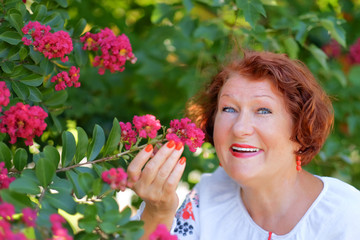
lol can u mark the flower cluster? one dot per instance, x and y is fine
(162, 233)
(354, 53)
(332, 49)
(186, 132)
(59, 232)
(147, 125)
(116, 178)
(143, 126)
(7, 211)
(115, 50)
(67, 79)
(52, 45)
(4, 95)
(23, 121)
(5, 180)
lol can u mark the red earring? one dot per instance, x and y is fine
(298, 163)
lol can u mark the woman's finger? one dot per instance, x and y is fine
(168, 166)
(175, 176)
(152, 167)
(134, 168)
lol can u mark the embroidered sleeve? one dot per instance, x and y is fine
(185, 224)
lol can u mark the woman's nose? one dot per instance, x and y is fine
(243, 124)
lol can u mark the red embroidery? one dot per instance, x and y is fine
(187, 212)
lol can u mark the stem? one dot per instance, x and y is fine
(101, 159)
(40, 199)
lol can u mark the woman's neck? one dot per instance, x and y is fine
(279, 204)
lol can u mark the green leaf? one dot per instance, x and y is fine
(80, 55)
(13, 54)
(4, 49)
(19, 200)
(10, 37)
(108, 227)
(62, 3)
(23, 53)
(5, 155)
(69, 148)
(51, 20)
(88, 224)
(20, 159)
(354, 74)
(86, 181)
(79, 28)
(82, 144)
(125, 215)
(52, 155)
(46, 66)
(340, 76)
(61, 201)
(36, 56)
(7, 66)
(16, 21)
(74, 179)
(63, 186)
(21, 90)
(292, 48)
(32, 80)
(114, 138)
(45, 171)
(56, 99)
(39, 12)
(336, 31)
(319, 55)
(24, 185)
(251, 10)
(34, 94)
(96, 143)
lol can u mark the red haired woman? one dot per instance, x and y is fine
(267, 116)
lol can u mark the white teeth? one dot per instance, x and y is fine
(245, 149)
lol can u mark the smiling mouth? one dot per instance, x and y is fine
(245, 150)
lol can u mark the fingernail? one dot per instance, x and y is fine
(148, 148)
(170, 144)
(182, 160)
(178, 146)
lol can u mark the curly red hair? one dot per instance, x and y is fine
(309, 105)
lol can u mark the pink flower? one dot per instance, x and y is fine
(128, 135)
(332, 49)
(7, 210)
(186, 132)
(29, 217)
(23, 121)
(59, 232)
(116, 178)
(65, 79)
(354, 53)
(115, 50)
(52, 45)
(5, 180)
(4, 95)
(162, 233)
(147, 125)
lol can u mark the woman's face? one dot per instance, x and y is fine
(252, 131)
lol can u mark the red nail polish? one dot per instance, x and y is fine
(182, 160)
(170, 144)
(148, 148)
(178, 146)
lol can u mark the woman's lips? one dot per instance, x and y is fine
(244, 150)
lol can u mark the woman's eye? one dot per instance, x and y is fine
(228, 109)
(264, 111)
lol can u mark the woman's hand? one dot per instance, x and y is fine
(155, 181)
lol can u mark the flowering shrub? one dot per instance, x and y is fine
(23, 121)
(161, 233)
(67, 79)
(116, 178)
(115, 50)
(354, 53)
(4, 95)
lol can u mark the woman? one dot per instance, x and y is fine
(266, 116)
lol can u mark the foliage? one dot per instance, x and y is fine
(179, 46)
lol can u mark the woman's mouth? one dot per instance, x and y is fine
(244, 151)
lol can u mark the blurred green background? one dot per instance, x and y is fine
(181, 44)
